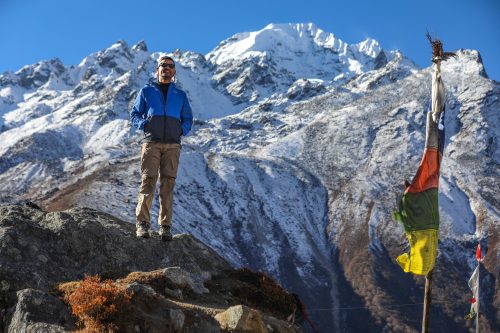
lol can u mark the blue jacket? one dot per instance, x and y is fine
(162, 121)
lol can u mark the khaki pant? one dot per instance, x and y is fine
(158, 159)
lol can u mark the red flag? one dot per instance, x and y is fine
(478, 252)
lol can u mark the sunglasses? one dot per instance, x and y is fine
(166, 65)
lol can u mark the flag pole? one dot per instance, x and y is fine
(478, 257)
(438, 55)
(477, 315)
(427, 302)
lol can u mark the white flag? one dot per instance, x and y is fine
(474, 286)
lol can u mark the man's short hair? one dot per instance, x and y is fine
(162, 58)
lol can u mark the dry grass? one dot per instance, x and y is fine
(144, 277)
(262, 292)
(157, 280)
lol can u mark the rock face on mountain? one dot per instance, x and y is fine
(40, 250)
(295, 164)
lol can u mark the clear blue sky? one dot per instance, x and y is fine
(33, 30)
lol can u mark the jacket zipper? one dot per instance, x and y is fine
(164, 112)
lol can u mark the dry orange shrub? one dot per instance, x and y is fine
(97, 304)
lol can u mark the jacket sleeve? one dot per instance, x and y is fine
(138, 112)
(186, 117)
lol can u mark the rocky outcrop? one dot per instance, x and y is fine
(174, 284)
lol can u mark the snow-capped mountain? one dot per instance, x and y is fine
(297, 158)
(257, 64)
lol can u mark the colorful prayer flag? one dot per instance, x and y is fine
(418, 208)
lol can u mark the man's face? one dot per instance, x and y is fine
(166, 71)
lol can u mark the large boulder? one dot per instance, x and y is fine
(40, 249)
(176, 286)
(37, 311)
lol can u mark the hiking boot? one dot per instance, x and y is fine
(165, 234)
(142, 229)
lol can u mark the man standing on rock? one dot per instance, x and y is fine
(162, 111)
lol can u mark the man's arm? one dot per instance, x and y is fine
(186, 117)
(138, 111)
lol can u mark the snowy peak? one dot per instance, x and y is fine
(117, 57)
(140, 46)
(369, 47)
(466, 61)
(281, 38)
(289, 41)
(252, 65)
(33, 76)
